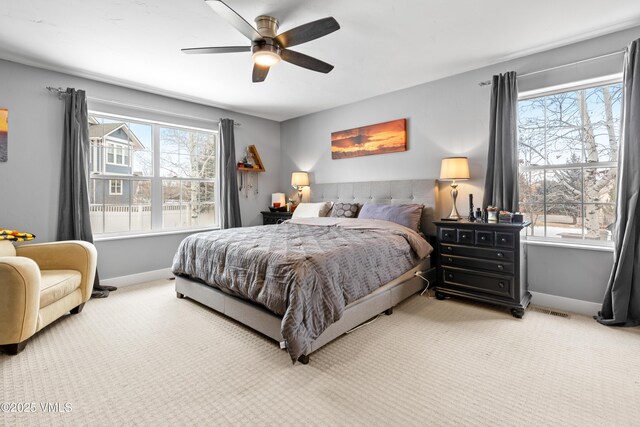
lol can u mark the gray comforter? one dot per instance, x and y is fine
(306, 270)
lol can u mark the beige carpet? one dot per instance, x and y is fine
(143, 357)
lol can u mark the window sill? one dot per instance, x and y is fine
(583, 246)
(107, 238)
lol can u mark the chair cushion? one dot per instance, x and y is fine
(57, 284)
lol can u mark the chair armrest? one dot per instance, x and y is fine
(67, 255)
(19, 299)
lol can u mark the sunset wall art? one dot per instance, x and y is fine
(4, 133)
(389, 137)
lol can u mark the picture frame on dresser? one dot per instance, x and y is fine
(485, 262)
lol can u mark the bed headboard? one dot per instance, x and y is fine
(421, 191)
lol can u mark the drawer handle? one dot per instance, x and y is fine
(450, 275)
(464, 236)
(503, 240)
(483, 238)
(450, 259)
(446, 234)
(501, 285)
(449, 248)
(500, 255)
(500, 267)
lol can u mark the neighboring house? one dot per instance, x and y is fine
(112, 148)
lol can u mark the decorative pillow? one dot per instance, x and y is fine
(407, 215)
(345, 210)
(16, 236)
(311, 210)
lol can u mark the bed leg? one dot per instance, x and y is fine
(179, 295)
(389, 311)
(304, 359)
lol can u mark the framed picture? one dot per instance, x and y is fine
(4, 134)
(388, 137)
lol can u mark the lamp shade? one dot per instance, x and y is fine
(454, 168)
(299, 179)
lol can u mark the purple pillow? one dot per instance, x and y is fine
(407, 215)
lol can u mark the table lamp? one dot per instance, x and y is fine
(453, 168)
(299, 180)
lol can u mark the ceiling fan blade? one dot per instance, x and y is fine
(221, 49)
(235, 20)
(307, 32)
(259, 73)
(304, 61)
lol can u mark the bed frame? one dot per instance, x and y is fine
(381, 300)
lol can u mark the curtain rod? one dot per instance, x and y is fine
(488, 82)
(60, 92)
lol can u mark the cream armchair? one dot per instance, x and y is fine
(40, 283)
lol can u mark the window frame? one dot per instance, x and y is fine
(118, 183)
(155, 179)
(554, 90)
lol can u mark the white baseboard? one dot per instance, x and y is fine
(134, 279)
(587, 308)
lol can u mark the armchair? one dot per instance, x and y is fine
(40, 283)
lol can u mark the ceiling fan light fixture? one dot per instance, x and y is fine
(265, 58)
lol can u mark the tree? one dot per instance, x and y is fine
(188, 154)
(565, 132)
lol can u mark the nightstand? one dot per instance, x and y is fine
(269, 217)
(485, 262)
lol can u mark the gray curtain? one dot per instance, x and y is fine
(501, 181)
(229, 198)
(73, 208)
(621, 305)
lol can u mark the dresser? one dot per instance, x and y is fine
(485, 262)
(269, 217)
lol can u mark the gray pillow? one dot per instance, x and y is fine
(345, 210)
(407, 215)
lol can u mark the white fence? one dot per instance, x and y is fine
(123, 218)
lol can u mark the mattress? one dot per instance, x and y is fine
(306, 271)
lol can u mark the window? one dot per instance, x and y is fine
(117, 154)
(115, 187)
(149, 176)
(567, 154)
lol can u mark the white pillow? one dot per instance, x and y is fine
(311, 210)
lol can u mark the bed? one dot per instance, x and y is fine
(306, 282)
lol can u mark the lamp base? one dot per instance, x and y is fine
(454, 215)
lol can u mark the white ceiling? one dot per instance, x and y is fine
(381, 46)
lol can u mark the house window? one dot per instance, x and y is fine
(115, 187)
(567, 154)
(117, 154)
(149, 176)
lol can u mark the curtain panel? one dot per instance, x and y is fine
(621, 304)
(501, 181)
(73, 209)
(229, 198)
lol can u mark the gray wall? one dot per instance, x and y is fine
(450, 117)
(29, 181)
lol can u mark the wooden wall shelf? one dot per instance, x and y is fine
(259, 166)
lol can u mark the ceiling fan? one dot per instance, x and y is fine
(268, 48)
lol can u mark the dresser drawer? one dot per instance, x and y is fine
(484, 238)
(465, 236)
(470, 251)
(505, 240)
(449, 235)
(479, 282)
(483, 264)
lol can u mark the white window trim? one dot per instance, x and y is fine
(114, 181)
(120, 147)
(552, 90)
(156, 180)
